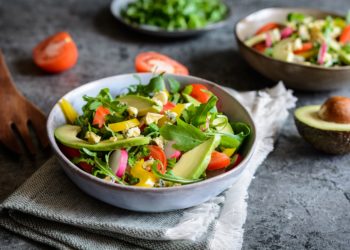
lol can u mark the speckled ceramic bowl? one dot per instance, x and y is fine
(118, 5)
(294, 75)
(150, 199)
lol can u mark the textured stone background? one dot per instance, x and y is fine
(300, 198)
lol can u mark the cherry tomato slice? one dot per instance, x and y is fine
(159, 63)
(69, 152)
(260, 47)
(100, 115)
(56, 53)
(267, 27)
(168, 106)
(345, 35)
(306, 47)
(200, 92)
(218, 160)
(158, 154)
(85, 166)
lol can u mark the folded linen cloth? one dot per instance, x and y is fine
(50, 209)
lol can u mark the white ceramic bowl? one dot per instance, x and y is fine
(150, 199)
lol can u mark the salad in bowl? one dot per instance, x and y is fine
(305, 39)
(156, 135)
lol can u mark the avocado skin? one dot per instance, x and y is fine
(331, 142)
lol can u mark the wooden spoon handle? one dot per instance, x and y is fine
(7, 85)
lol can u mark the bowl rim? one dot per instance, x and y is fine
(301, 9)
(110, 185)
(177, 32)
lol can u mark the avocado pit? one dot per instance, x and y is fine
(326, 126)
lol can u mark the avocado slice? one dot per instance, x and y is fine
(190, 99)
(143, 104)
(193, 163)
(67, 135)
(329, 137)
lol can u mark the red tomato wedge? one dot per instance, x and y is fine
(158, 154)
(72, 153)
(158, 63)
(200, 92)
(218, 160)
(267, 27)
(168, 106)
(306, 47)
(85, 166)
(100, 115)
(56, 53)
(69, 152)
(260, 47)
(345, 35)
(238, 160)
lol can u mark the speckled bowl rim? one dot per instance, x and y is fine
(109, 185)
(300, 9)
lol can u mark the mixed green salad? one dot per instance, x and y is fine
(156, 135)
(306, 40)
(175, 14)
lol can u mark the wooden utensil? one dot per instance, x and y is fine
(16, 113)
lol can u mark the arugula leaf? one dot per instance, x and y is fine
(156, 84)
(136, 153)
(295, 17)
(151, 130)
(185, 135)
(173, 85)
(202, 111)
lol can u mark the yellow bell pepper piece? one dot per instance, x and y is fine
(69, 112)
(146, 179)
(178, 109)
(121, 126)
(229, 151)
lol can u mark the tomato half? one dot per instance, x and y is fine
(260, 47)
(158, 154)
(200, 92)
(100, 115)
(304, 48)
(218, 160)
(56, 53)
(159, 63)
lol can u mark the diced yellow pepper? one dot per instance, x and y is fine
(308, 54)
(121, 126)
(229, 151)
(178, 109)
(146, 179)
(69, 112)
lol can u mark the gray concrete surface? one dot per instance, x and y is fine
(300, 198)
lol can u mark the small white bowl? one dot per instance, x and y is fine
(150, 199)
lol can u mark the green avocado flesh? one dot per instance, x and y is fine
(67, 135)
(309, 116)
(193, 163)
(329, 137)
(143, 104)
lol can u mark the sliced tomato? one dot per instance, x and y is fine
(158, 154)
(69, 152)
(345, 35)
(238, 160)
(200, 92)
(267, 27)
(306, 47)
(168, 106)
(159, 63)
(85, 166)
(218, 160)
(260, 47)
(100, 116)
(56, 53)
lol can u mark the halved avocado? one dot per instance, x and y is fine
(329, 137)
(67, 135)
(143, 104)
